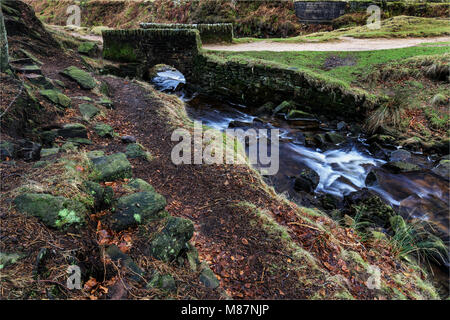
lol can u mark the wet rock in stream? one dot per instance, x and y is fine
(307, 181)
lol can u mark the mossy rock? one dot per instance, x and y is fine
(48, 137)
(162, 282)
(7, 150)
(135, 150)
(398, 224)
(59, 83)
(49, 152)
(79, 141)
(137, 208)
(307, 180)
(117, 256)
(56, 97)
(139, 185)
(69, 147)
(172, 240)
(104, 130)
(31, 56)
(208, 278)
(103, 196)
(370, 208)
(9, 258)
(334, 138)
(192, 257)
(111, 168)
(95, 154)
(298, 114)
(107, 103)
(55, 212)
(40, 81)
(400, 166)
(88, 111)
(88, 48)
(283, 107)
(73, 130)
(382, 139)
(84, 79)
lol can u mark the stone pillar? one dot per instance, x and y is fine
(4, 57)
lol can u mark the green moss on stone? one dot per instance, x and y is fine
(56, 97)
(55, 212)
(84, 79)
(111, 168)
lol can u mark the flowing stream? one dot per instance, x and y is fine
(343, 168)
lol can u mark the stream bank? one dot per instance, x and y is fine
(329, 166)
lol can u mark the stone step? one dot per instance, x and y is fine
(27, 68)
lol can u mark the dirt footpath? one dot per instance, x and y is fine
(343, 44)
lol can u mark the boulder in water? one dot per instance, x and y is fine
(400, 167)
(400, 155)
(443, 169)
(334, 138)
(377, 151)
(306, 181)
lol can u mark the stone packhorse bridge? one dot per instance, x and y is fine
(251, 82)
(142, 49)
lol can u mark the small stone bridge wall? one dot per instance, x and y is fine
(209, 33)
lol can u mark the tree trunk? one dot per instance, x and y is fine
(4, 57)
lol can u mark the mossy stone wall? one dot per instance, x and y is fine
(255, 84)
(209, 33)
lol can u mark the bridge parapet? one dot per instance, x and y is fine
(147, 47)
(209, 33)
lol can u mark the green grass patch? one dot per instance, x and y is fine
(364, 61)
